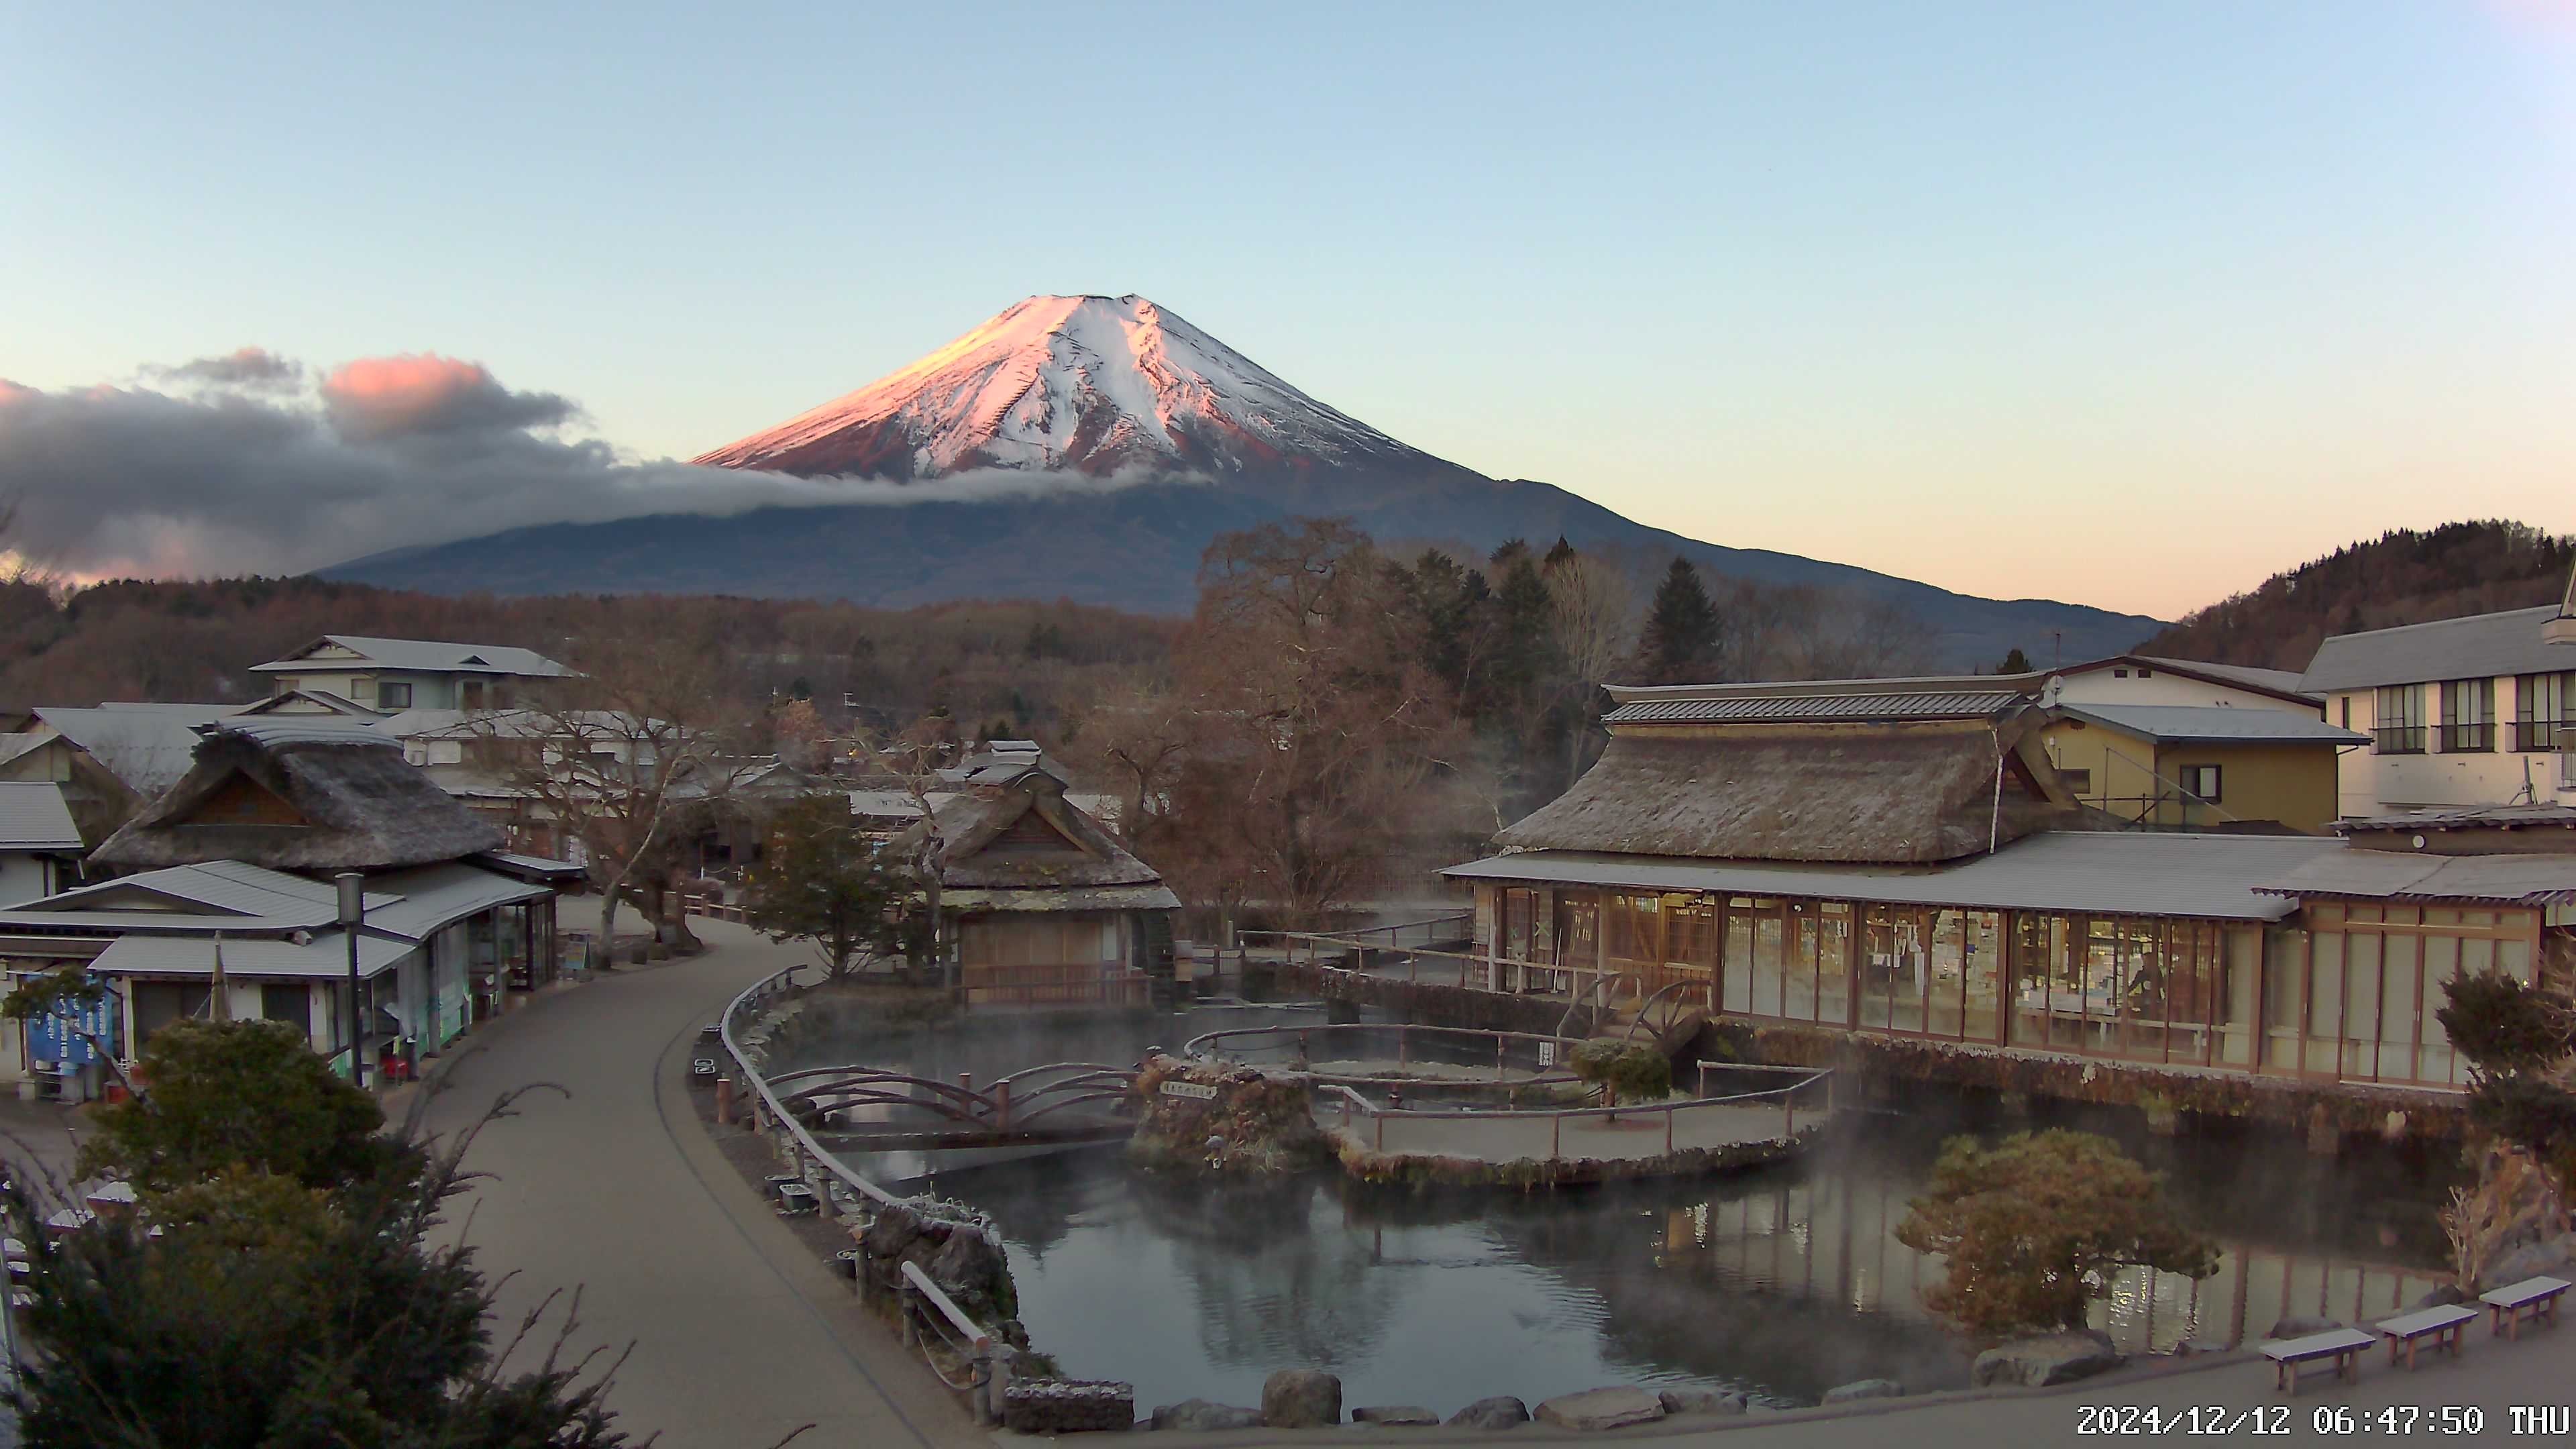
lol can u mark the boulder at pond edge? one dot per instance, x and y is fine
(1301, 1399)
(1594, 1409)
(1399, 1416)
(1198, 1415)
(1864, 1389)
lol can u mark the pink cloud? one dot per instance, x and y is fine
(384, 397)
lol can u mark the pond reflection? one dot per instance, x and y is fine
(1781, 1283)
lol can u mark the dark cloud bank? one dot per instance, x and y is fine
(231, 465)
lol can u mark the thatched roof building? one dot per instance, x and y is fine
(1017, 844)
(299, 794)
(1885, 779)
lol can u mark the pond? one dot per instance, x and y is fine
(1780, 1283)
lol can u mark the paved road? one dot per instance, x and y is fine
(739, 1334)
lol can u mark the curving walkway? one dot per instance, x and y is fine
(739, 1334)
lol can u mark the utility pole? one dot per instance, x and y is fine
(353, 913)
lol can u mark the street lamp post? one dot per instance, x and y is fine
(353, 912)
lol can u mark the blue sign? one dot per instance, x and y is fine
(56, 1036)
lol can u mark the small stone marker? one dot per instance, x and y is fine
(1199, 1090)
(1596, 1409)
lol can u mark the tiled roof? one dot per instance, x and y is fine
(1945, 704)
(427, 656)
(2389, 875)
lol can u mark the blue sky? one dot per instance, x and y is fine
(2124, 305)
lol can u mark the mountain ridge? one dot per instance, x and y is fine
(1086, 388)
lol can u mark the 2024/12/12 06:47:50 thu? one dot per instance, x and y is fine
(2396, 1420)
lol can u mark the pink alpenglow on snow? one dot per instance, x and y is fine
(1094, 385)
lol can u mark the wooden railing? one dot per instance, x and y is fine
(1550, 1057)
(1786, 1097)
(924, 1305)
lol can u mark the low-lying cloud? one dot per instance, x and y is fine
(232, 465)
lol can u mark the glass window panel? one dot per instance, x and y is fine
(2360, 1004)
(2030, 966)
(2068, 1006)
(2515, 958)
(1739, 958)
(1946, 981)
(2234, 990)
(2325, 1000)
(1804, 943)
(2442, 954)
(1833, 961)
(1768, 962)
(2400, 987)
(1984, 974)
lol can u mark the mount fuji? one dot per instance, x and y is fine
(1089, 448)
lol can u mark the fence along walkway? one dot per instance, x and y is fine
(978, 1363)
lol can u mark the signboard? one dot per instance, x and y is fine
(56, 1036)
(1546, 1054)
(1189, 1089)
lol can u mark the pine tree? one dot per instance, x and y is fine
(2015, 662)
(1685, 637)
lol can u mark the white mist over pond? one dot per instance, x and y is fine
(1781, 1283)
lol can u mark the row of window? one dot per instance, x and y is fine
(2544, 705)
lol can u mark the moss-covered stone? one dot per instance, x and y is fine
(1249, 1122)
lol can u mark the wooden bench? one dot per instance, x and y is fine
(2342, 1345)
(2535, 1296)
(2441, 1324)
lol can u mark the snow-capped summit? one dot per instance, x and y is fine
(1089, 384)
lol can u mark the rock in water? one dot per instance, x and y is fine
(1500, 1412)
(1595, 1409)
(1395, 1416)
(1865, 1389)
(1249, 1121)
(1301, 1399)
(1700, 1401)
(1199, 1415)
(2056, 1358)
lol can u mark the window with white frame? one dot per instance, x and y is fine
(2202, 781)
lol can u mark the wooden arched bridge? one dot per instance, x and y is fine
(872, 1109)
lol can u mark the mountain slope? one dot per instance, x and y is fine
(2404, 576)
(1088, 387)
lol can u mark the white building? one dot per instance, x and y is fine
(40, 847)
(2141, 679)
(2461, 712)
(389, 675)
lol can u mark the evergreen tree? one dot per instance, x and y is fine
(1560, 553)
(2015, 662)
(1685, 638)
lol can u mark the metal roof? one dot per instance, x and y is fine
(2389, 875)
(428, 656)
(287, 729)
(146, 747)
(2125, 873)
(2215, 724)
(1948, 704)
(326, 955)
(34, 817)
(2275, 681)
(434, 896)
(2478, 647)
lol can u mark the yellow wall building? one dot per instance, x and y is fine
(2184, 767)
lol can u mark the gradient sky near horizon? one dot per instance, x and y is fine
(2129, 306)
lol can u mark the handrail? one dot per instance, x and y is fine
(1192, 1046)
(804, 1140)
(928, 1287)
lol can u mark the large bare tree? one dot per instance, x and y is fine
(619, 754)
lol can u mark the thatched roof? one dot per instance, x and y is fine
(1910, 793)
(1022, 834)
(300, 796)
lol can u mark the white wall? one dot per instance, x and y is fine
(2369, 783)
(23, 877)
(2100, 686)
